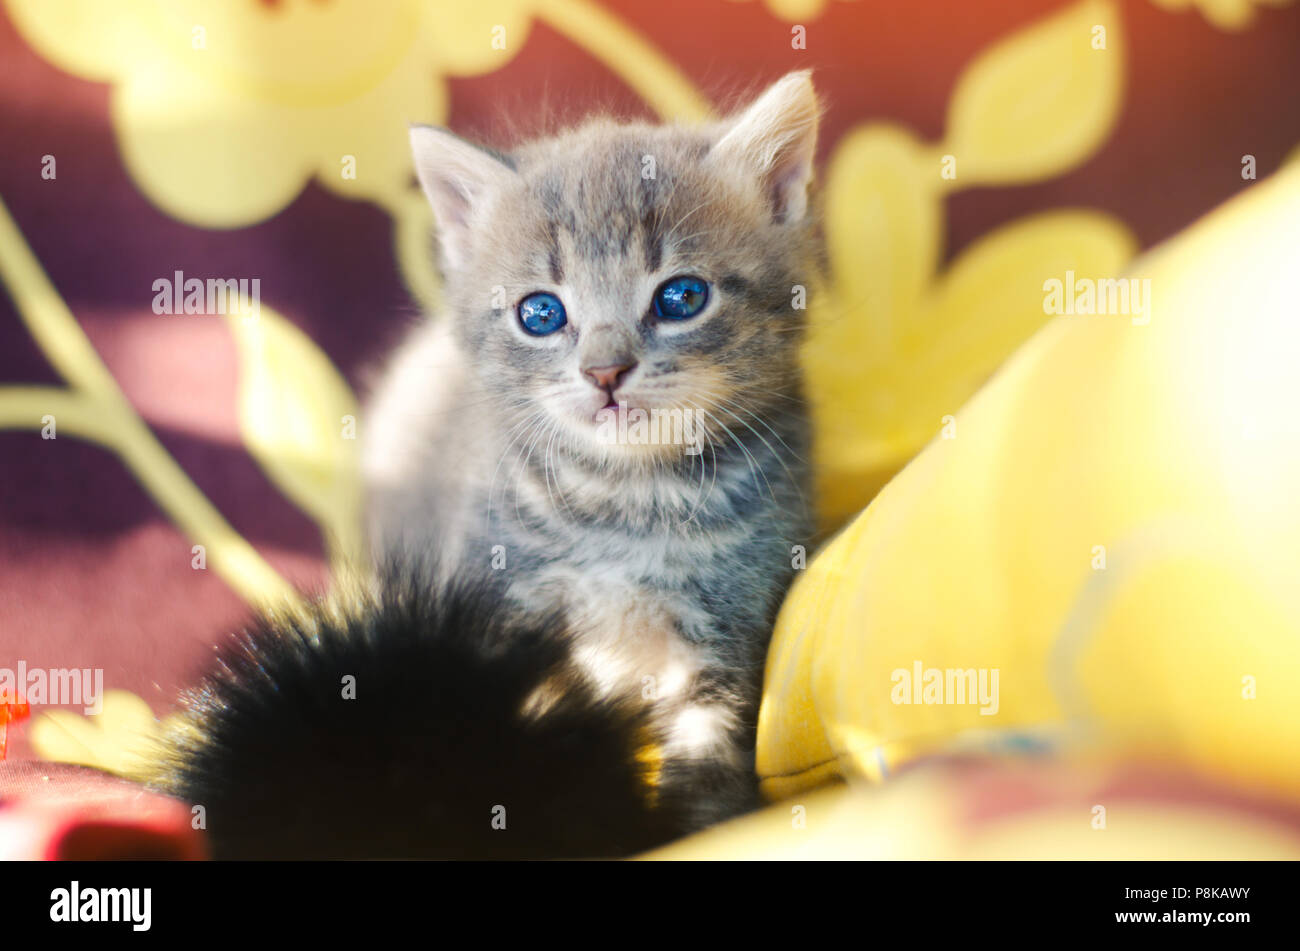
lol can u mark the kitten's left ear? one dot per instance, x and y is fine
(776, 136)
(458, 177)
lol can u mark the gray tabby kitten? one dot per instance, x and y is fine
(586, 483)
(668, 559)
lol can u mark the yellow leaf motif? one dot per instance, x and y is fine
(298, 418)
(991, 299)
(117, 739)
(872, 415)
(224, 111)
(1036, 103)
(1225, 14)
(93, 407)
(886, 230)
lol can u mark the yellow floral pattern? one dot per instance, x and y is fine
(225, 111)
(896, 346)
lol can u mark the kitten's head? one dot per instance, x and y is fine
(623, 267)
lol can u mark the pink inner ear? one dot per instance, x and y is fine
(452, 200)
(453, 208)
(788, 186)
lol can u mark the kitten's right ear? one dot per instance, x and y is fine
(776, 137)
(457, 177)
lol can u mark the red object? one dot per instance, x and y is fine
(56, 811)
(10, 712)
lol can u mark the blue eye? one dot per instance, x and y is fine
(542, 314)
(681, 297)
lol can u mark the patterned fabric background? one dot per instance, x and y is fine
(968, 150)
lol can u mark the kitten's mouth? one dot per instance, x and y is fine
(612, 405)
(613, 410)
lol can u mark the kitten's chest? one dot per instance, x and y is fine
(627, 621)
(612, 537)
(633, 558)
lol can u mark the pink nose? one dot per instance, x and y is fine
(608, 378)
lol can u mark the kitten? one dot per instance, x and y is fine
(586, 479)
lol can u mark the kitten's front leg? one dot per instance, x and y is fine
(711, 744)
(628, 641)
(704, 710)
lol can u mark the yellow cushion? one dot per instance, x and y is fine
(994, 809)
(1113, 527)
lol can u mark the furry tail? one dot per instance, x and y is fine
(410, 725)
